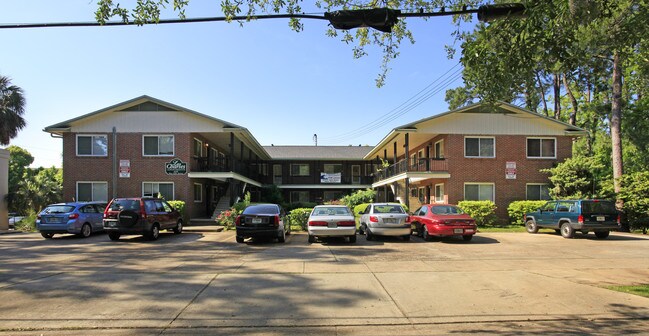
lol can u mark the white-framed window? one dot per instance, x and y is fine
(422, 194)
(198, 193)
(479, 192)
(537, 191)
(299, 196)
(277, 174)
(480, 147)
(92, 145)
(92, 191)
(439, 149)
(152, 189)
(332, 168)
(542, 148)
(413, 192)
(198, 148)
(439, 193)
(331, 195)
(300, 169)
(356, 174)
(158, 145)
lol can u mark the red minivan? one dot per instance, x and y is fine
(443, 220)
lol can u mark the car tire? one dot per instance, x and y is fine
(567, 231)
(153, 233)
(282, 237)
(86, 231)
(531, 226)
(114, 235)
(239, 239)
(424, 234)
(311, 239)
(288, 229)
(352, 239)
(361, 230)
(47, 235)
(602, 234)
(179, 227)
(368, 234)
(467, 238)
(406, 238)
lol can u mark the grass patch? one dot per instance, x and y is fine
(642, 290)
(506, 228)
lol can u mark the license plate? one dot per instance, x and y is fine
(601, 218)
(256, 221)
(54, 220)
(389, 220)
(458, 231)
(332, 225)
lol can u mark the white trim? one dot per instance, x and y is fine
(413, 176)
(223, 177)
(493, 190)
(201, 193)
(441, 146)
(324, 186)
(173, 188)
(527, 155)
(173, 137)
(76, 144)
(479, 137)
(92, 196)
(442, 192)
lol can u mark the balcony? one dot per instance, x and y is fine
(248, 169)
(430, 165)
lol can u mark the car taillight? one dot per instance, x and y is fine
(408, 219)
(238, 220)
(38, 216)
(347, 223)
(142, 211)
(374, 219)
(73, 216)
(317, 223)
(580, 219)
(276, 220)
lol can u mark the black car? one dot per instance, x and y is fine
(141, 215)
(263, 221)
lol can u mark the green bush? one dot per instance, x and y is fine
(635, 195)
(360, 208)
(299, 216)
(299, 205)
(518, 209)
(358, 197)
(27, 224)
(180, 206)
(484, 212)
(227, 218)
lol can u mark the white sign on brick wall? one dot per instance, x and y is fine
(510, 170)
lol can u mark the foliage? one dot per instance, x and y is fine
(518, 209)
(227, 218)
(484, 212)
(298, 205)
(38, 188)
(272, 194)
(180, 206)
(360, 208)
(574, 179)
(27, 224)
(12, 108)
(240, 206)
(300, 216)
(635, 195)
(642, 290)
(358, 197)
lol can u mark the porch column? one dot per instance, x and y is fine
(428, 158)
(231, 153)
(428, 199)
(395, 152)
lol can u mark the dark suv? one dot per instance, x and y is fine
(140, 215)
(263, 221)
(568, 216)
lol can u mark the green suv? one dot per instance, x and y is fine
(569, 216)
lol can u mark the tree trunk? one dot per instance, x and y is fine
(542, 88)
(575, 107)
(557, 96)
(616, 121)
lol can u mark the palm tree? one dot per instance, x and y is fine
(12, 107)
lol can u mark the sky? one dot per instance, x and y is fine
(281, 85)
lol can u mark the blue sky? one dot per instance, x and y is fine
(281, 85)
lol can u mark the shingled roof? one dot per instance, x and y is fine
(317, 152)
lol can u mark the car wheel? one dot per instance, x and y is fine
(311, 239)
(179, 227)
(239, 239)
(368, 234)
(567, 231)
(47, 235)
(352, 239)
(86, 231)
(425, 234)
(153, 233)
(601, 234)
(288, 229)
(282, 237)
(361, 230)
(467, 238)
(406, 238)
(530, 226)
(114, 235)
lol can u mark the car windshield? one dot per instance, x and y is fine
(603, 207)
(261, 209)
(57, 209)
(125, 204)
(331, 211)
(388, 208)
(446, 210)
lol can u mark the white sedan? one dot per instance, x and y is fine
(331, 221)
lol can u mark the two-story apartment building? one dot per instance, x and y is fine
(148, 147)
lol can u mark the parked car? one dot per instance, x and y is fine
(443, 220)
(14, 219)
(80, 218)
(569, 216)
(331, 221)
(385, 219)
(262, 221)
(142, 216)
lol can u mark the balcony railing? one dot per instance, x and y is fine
(412, 165)
(223, 164)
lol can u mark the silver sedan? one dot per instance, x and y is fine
(331, 221)
(385, 219)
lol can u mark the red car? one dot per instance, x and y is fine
(443, 220)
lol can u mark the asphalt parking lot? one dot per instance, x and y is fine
(202, 282)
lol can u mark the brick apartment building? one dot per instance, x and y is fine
(146, 146)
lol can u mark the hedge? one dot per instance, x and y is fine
(300, 216)
(484, 212)
(180, 206)
(517, 209)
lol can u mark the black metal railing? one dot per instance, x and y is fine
(412, 165)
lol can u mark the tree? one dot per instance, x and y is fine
(574, 179)
(12, 107)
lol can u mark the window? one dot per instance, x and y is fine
(422, 211)
(479, 192)
(541, 148)
(198, 192)
(158, 145)
(356, 174)
(422, 195)
(92, 145)
(332, 168)
(413, 192)
(198, 148)
(92, 191)
(549, 206)
(439, 149)
(300, 169)
(152, 189)
(480, 147)
(331, 195)
(439, 193)
(536, 192)
(299, 196)
(277, 174)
